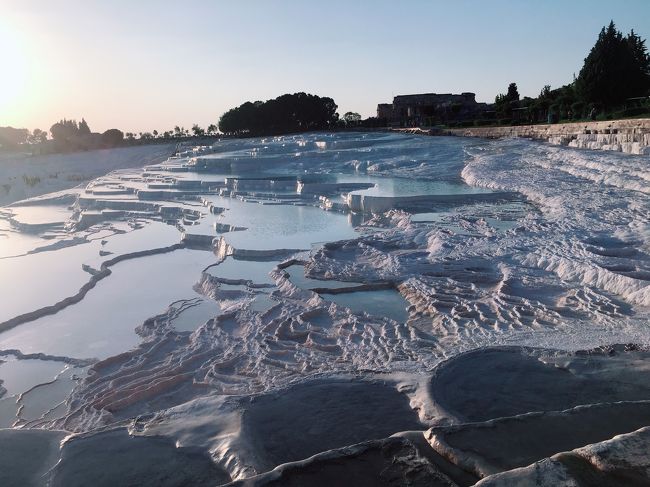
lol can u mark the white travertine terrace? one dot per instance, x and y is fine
(179, 314)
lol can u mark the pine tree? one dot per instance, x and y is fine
(640, 77)
(83, 127)
(513, 93)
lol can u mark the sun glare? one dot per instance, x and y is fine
(14, 71)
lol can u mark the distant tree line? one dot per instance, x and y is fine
(298, 112)
(70, 135)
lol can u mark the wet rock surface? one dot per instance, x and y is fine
(26, 457)
(623, 461)
(384, 463)
(115, 458)
(323, 415)
(496, 382)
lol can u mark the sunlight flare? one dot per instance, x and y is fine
(15, 70)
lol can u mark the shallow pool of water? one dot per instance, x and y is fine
(298, 278)
(36, 280)
(41, 215)
(46, 397)
(262, 303)
(273, 226)
(387, 186)
(104, 322)
(247, 270)
(199, 312)
(19, 376)
(387, 303)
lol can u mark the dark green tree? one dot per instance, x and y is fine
(38, 136)
(352, 118)
(112, 137)
(505, 103)
(513, 93)
(640, 75)
(298, 112)
(83, 128)
(616, 68)
(198, 131)
(64, 129)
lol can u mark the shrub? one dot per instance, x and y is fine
(31, 181)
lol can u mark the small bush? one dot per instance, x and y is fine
(31, 181)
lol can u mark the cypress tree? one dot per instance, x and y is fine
(616, 68)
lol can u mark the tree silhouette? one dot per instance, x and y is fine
(513, 92)
(83, 128)
(38, 136)
(64, 129)
(616, 68)
(12, 137)
(352, 118)
(112, 137)
(505, 103)
(285, 114)
(198, 131)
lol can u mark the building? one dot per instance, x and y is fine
(385, 110)
(430, 108)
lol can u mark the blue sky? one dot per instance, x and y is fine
(144, 65)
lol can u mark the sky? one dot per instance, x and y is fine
(140, 65)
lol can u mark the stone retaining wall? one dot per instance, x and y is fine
(629, 136)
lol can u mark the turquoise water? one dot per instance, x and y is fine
(409, 187)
